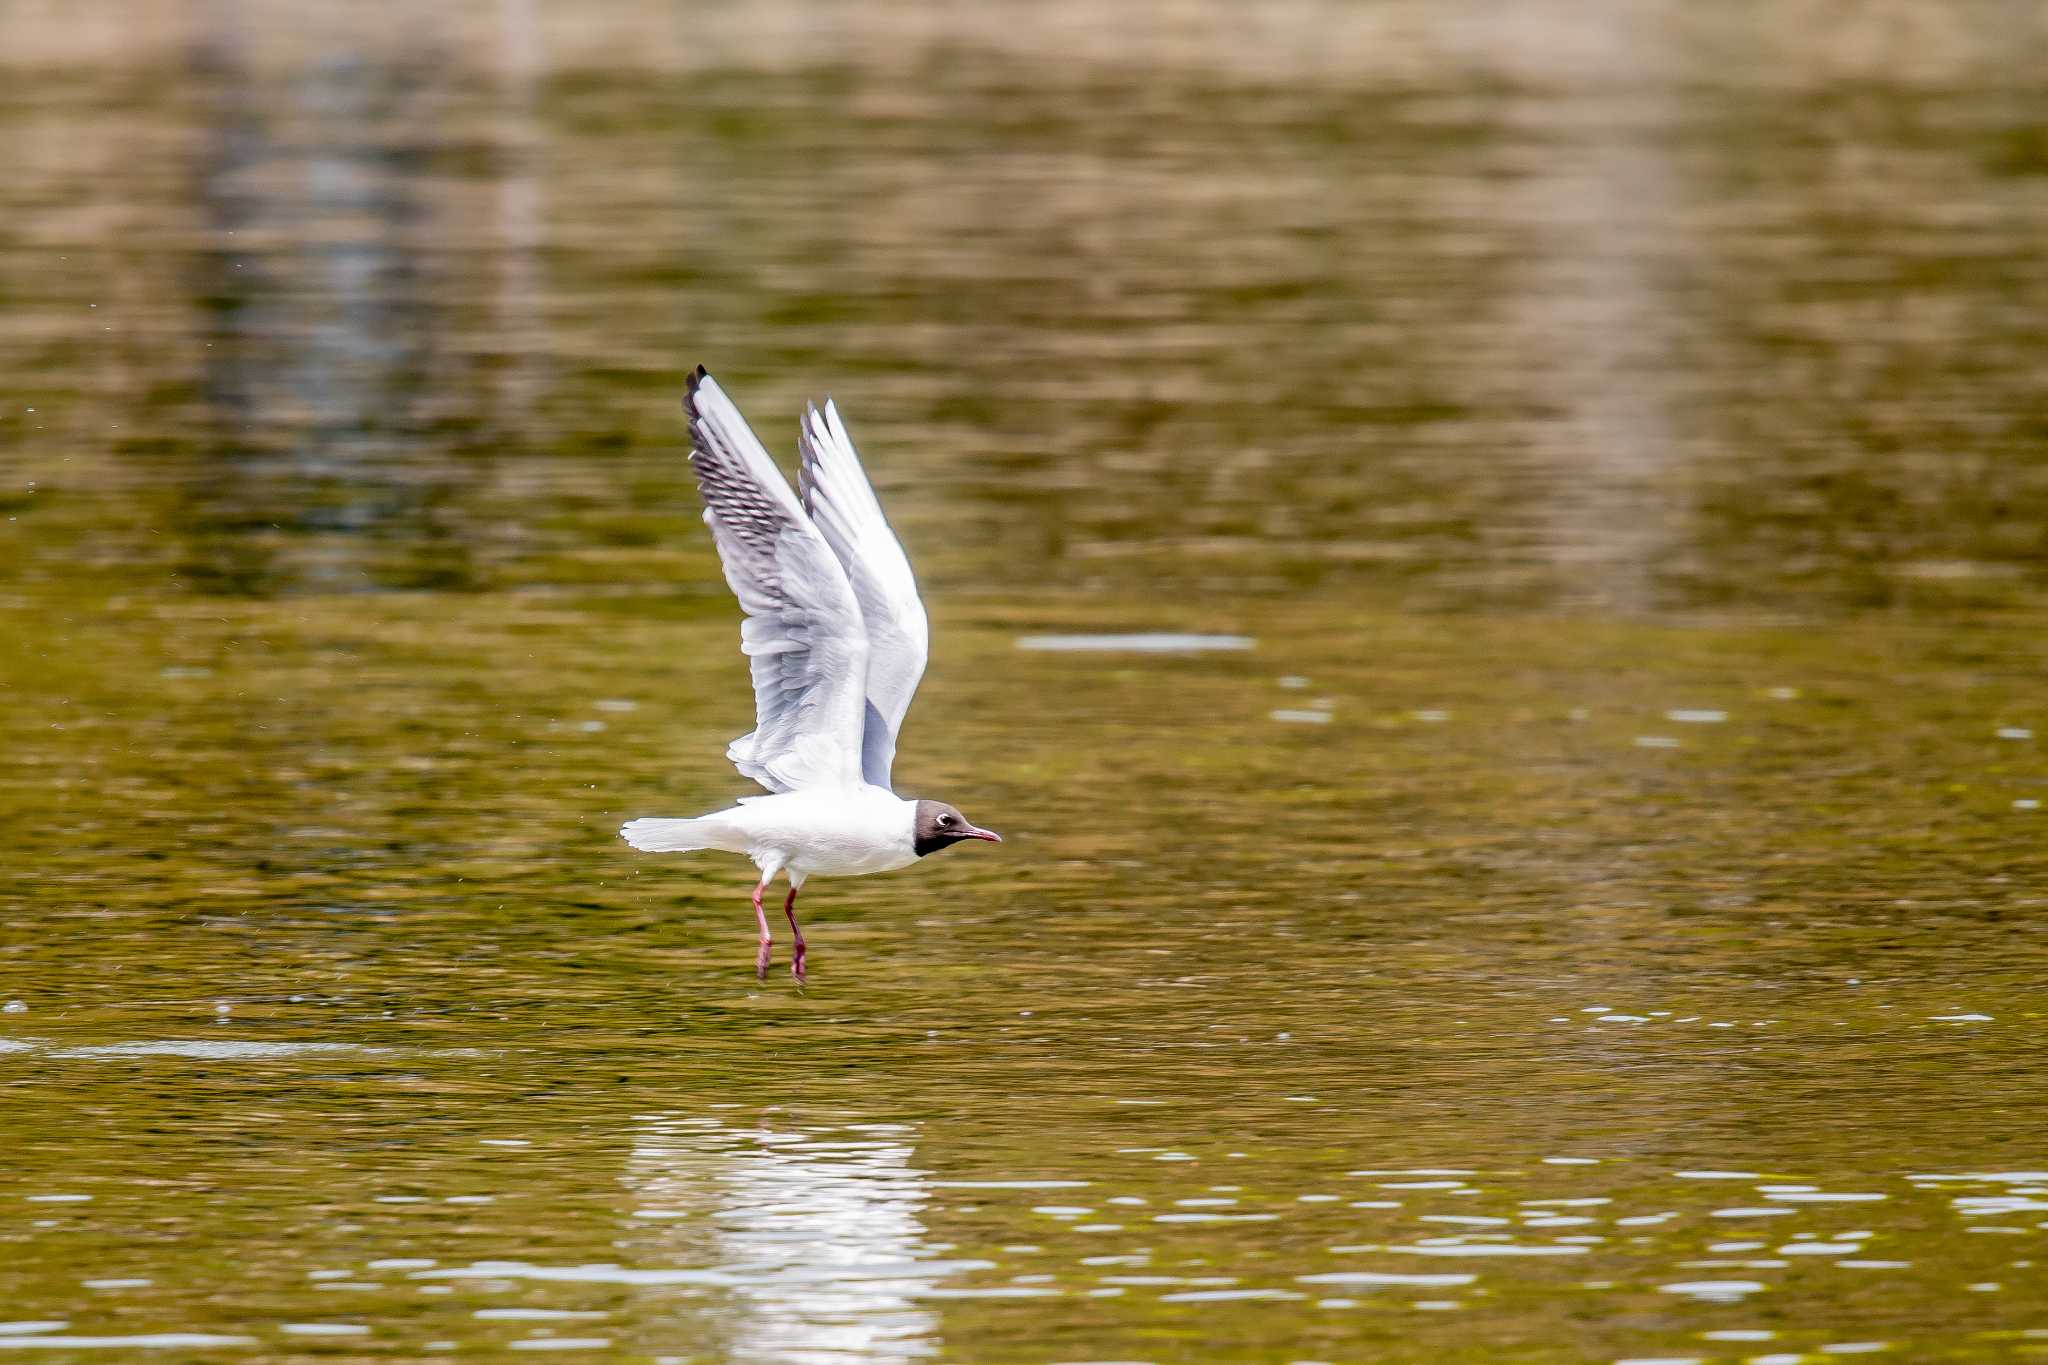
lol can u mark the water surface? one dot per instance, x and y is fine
(1492, 573)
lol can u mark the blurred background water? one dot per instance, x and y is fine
(1591, 909)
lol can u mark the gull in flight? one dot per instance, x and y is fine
(836, 635)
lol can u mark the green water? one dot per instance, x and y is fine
(1599, 916)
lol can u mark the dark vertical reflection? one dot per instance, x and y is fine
(322, 341)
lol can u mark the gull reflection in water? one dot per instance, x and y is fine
(815, 1231)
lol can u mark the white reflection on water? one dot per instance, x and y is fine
(211, 1050)
(232, 1050)
(1717, 1291)
(152, 1341)
(1486, 1249)
(1144, 642)
(818, 1232)
(1376, 1278)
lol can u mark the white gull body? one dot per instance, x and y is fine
(837, 638)
(832, 832)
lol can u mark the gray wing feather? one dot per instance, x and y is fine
(842, 504)
(803, 635)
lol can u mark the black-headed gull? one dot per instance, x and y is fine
(837, 637)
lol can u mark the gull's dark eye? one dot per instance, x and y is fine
(945, 819)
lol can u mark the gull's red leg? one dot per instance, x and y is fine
(796, 960)
(767, 941)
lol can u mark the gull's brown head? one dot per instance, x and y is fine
(939, 824)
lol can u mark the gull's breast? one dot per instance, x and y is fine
(831, 858)
(850, 835)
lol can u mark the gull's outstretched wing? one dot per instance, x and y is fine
(803, 630)
(840, 501)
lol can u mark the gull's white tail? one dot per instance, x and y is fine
(670, 836)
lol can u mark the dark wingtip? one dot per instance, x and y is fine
(690, 387)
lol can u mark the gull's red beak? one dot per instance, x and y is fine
(987, 834)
